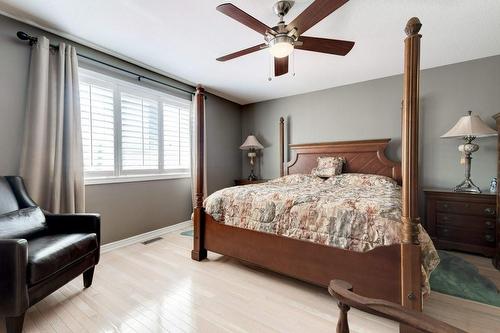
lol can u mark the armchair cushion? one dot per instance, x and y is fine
(24, 223)
(49, 254)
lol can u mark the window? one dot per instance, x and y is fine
(129, 131)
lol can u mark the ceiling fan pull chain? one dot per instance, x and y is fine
(292, 60)
(270, 67)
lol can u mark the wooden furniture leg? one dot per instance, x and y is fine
(87, 277)
(343, 323)
(199, 252)
(14, 324)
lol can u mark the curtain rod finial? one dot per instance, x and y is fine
(24, 36)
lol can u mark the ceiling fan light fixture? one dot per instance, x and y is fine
(281, 46)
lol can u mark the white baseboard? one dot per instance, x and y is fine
(145, 236)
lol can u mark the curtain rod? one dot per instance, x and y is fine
(33, 40)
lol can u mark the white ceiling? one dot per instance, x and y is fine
(183, 38)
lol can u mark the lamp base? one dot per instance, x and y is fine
(252, 176)
(467, 186)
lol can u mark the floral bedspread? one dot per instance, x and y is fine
(357, 212)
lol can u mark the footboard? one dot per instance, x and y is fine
(375, 274)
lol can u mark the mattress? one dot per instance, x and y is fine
(355, 212)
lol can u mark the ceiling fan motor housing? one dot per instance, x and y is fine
(281, 39)
(281, 8)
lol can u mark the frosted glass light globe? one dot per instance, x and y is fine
(281, 46)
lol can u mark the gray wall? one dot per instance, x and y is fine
(371, 109)
(223, 136)
(127, 208)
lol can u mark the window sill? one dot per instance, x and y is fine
(134, 178)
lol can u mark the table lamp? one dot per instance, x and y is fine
(468, 127)
(252, 145)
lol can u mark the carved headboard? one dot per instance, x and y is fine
(364, 156)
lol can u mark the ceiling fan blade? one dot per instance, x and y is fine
(242, 52)
(325, 45)
(237, 14)
(280, 66)
(317, 11)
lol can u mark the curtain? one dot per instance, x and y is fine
(52, 159)
(194, 141)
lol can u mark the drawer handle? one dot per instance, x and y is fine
(445, 218)
(489, 211)
(445, 206)
(489, 238)
(490, 224)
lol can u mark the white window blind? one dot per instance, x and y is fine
(132, 131)
(177, 137)
(139, 133)
(96, 105)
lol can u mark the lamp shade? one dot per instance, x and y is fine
(470, 125)
(251, 143)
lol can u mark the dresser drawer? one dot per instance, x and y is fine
(471, 236)
(466, 222)
(471, 208)
(462, 221)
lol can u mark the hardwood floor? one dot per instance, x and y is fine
(158, 288)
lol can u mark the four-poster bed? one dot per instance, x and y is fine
(389, 272)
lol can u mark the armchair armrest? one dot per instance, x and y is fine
(13, 289)
(73, 223)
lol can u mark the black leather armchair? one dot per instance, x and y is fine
(40, 251)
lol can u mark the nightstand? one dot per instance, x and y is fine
(461, 221)
(248, 182)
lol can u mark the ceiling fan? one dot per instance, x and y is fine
(282, 39)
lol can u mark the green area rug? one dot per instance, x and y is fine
(189, 233)
(457, 277)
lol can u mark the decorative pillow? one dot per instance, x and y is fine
(329, 166)
(361, 180)
(296, 179)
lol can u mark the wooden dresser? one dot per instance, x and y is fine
(462, 221)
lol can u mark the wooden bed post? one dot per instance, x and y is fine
(199, 252)
(411, 296)
(410, 128)
(282, 146)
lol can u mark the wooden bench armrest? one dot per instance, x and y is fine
(347, 298)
